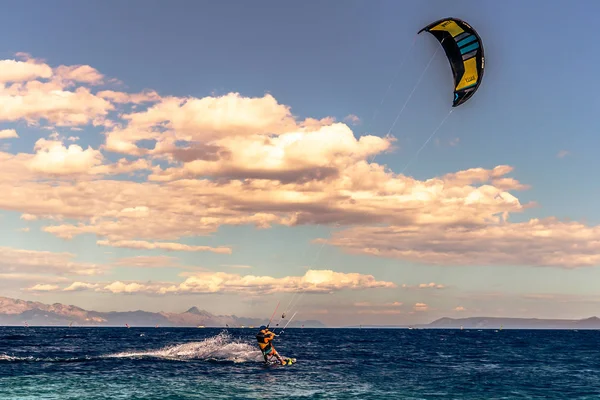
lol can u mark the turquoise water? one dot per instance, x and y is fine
(191, 363)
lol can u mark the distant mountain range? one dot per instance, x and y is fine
(19, 312)
(502, 323)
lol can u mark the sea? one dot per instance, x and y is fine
(195, 363)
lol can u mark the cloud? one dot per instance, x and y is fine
(537, 242)
(237, 137)
(150, 262)
(30, 261)
(421, 307)
(313, 281)
(133, 287)
(42, 288)
(460, 308)
(79, 286)
(52, 157)
(299, 156)
(352, 119)
(431, 285)
(36, 100)
(32, 91)
(212, 117)
(563, 153)
(124, 98)
(192, 165)
(365, 194)
(8, 134)
(139, 244)
(238, 266)
(22, 71)
(369, 304)
(72, 74)
(53, 160)
(122, 166)
(201, 120)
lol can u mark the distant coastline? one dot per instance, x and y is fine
(497, 323)
(15, 312)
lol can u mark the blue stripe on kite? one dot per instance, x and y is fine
(466, 40)
(469, 48)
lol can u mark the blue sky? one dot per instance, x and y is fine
(335, 59)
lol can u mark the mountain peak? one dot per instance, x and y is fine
(197, 311)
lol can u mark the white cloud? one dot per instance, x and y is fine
(234, 160)
(124, 98)
(206, 282)
(546, 242)
(8, 134)
(32, 91)
(53, 157)
(78, 73)
(22, 71)
(30, 261)
(150, 262)
(79, 286)
(139, 244)
(430, 285)
(42, 288)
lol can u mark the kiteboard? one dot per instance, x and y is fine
(288, 361)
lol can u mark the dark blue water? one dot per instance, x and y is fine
(181, 363)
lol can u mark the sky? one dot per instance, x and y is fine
(233, 155)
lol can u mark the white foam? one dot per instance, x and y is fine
(6, 357)
(221, 347)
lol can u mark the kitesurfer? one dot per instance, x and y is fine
(264, 338)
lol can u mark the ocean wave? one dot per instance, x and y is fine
(221, 347)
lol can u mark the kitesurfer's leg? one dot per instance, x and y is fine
(276, 354)
(268, 352)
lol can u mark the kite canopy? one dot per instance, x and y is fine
(464, 50)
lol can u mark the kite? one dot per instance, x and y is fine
(464, 50)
